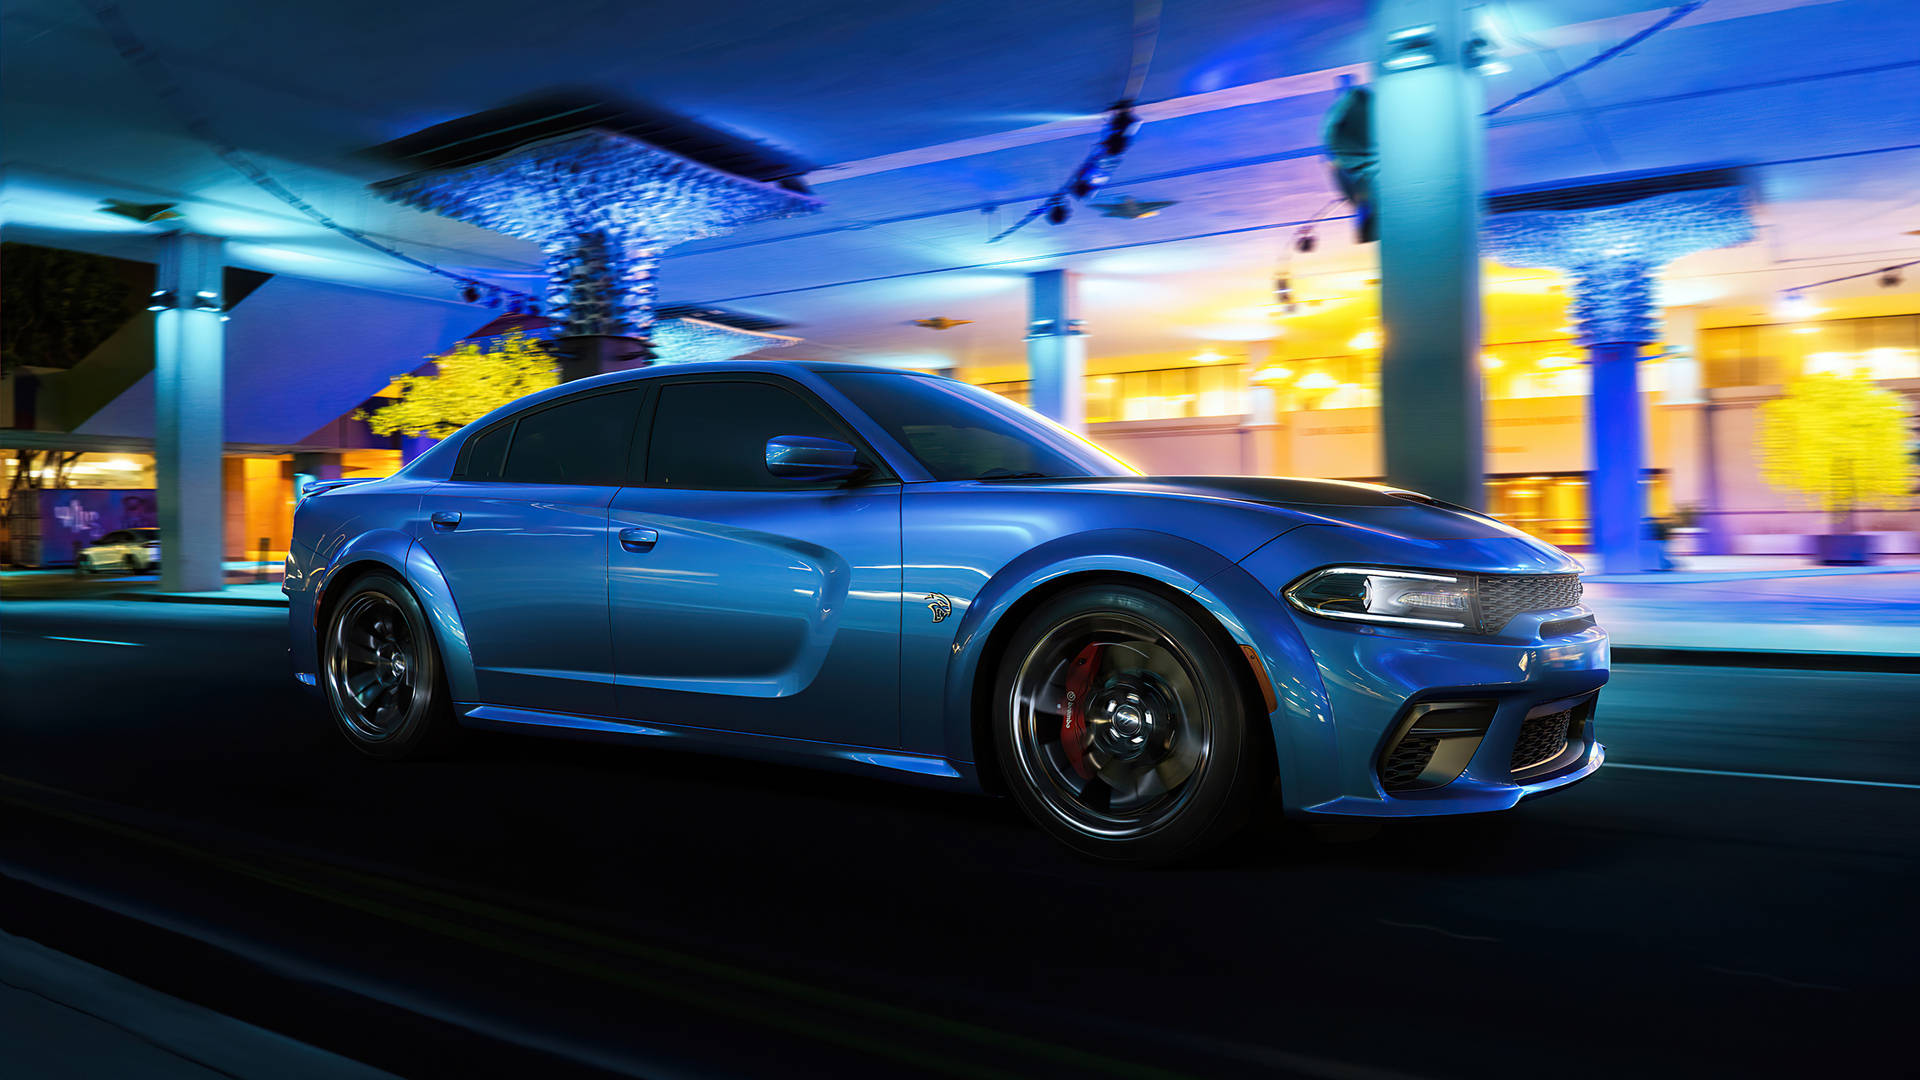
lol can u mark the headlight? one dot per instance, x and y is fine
(1402, 597)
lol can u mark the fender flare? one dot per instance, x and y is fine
(1172, 561)
(1244, 609)
(398, 552)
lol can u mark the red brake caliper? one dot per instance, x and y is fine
(1073, 730)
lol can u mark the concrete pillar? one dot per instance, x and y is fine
(311, 467)
(600, 291)
(1056, 349)
(586, 355)
(1682, 337)
(1617, 503)
(189, 421)
(1429, 134)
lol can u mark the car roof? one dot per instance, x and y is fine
(655, 371)
(438, 461)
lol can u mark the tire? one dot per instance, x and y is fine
(381, 672)
(1125, 730)
(133, 565)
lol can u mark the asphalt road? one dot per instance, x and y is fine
(533, 903)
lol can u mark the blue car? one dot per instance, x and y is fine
(903, 575)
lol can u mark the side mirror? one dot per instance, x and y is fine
(804, 457)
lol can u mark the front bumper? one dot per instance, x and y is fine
(1347, 692)
(1376, 679)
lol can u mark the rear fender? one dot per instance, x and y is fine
(396, 552)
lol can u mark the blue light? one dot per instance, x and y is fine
(1412, 47)
(680, 341)
(603, 207)
(1612, 252)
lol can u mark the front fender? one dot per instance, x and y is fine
(1173, 561)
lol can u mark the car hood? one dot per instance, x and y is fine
(1388, 511)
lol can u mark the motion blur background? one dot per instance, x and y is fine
(233, 233)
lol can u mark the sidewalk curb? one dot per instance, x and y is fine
(174, 598)
(1762, 658)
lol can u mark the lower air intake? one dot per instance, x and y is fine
(1542, 738)
(1408, 760)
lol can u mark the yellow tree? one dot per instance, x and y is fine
(1838, 442)
(468, 383)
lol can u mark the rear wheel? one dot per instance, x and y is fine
(382, 673)
(1125, 731)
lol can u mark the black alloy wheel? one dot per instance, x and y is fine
(381, 671)
(1125, 728)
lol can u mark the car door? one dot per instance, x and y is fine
(520, 532)
(746, 602)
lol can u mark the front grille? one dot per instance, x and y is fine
(1408, 760)
(1542, 738)
(1502, 596)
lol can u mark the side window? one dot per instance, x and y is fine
(582, 441)
(714, 435)
(114, 538)
(488, 453)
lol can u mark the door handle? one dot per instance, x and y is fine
(639, 539)
(446, 519)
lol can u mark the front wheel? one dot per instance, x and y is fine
(1125, 729)
(382, 673)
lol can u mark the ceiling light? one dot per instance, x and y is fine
(162, 299)
(1490, 362)
(1272, 374)
(1316, 380)
(1207, 356)
(1413, 47)
(1133, 209)
(1806, 329)
(145, 213)
(1364, 341)
(1796, 306)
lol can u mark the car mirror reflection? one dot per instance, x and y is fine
(807, 457)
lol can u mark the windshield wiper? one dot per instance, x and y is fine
(1016, 476)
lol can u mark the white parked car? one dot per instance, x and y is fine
(133, 550)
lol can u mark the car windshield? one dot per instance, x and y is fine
(961, 432)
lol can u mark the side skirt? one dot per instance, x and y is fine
(919, 769)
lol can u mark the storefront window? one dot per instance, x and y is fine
(1553, 506)
(1883, 347)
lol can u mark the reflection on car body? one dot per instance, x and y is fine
(901, 574)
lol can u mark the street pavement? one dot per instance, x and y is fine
(1731, 894)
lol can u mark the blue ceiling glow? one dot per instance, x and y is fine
(1613, 251)
(602, 206)
(681, 341)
